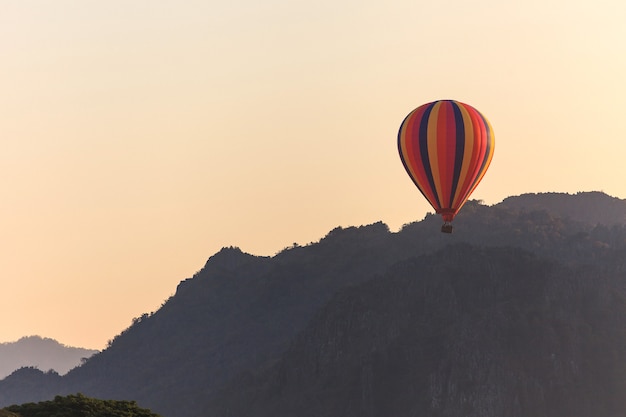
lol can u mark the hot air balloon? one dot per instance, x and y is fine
(446, 147)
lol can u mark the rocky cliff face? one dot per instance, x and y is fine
(464, 332)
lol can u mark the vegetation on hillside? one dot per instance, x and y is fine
(77, 406)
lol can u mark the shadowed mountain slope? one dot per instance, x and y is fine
(463, 332)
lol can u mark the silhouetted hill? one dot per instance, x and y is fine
(42, 353)
(587, 207)
(237, 313)
(463, 332)
(29, 384)
(241, 313)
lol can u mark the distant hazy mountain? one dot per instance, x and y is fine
(518, 313)
(41, 353)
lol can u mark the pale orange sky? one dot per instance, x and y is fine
(140, 137)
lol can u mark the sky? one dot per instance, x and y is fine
(138, 137)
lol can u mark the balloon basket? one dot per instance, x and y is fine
(446, 228)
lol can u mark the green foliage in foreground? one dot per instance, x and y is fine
(77, 406)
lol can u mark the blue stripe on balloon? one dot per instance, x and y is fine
(460, 148)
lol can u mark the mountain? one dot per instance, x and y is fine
(495, 332)
(288, 329)
(42, 353)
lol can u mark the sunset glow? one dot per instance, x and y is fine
(140, 137)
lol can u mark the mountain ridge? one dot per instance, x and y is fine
(240, 313)
(594, 207)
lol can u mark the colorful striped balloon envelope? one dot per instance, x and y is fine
(446, 147)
